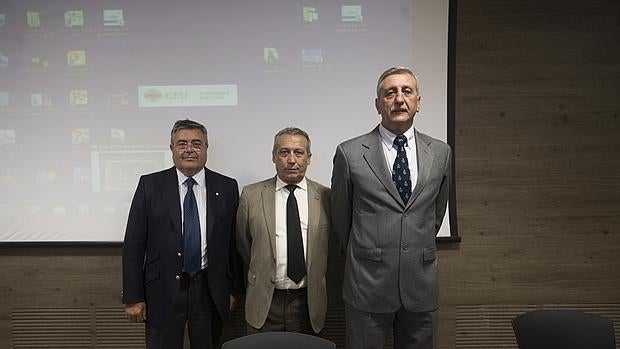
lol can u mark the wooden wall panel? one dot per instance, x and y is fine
(537, 172)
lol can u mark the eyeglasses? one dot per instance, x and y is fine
(196, 146)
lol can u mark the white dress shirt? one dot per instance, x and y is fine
(387, 139)
(301, 194)
(200, 192)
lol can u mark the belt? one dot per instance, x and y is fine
(290, 290)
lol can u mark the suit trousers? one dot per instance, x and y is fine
(288, 312)
(193, 306)
(411, 330)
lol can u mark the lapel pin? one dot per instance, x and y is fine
(217, 194)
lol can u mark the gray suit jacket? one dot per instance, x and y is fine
(390, 247)
(256, 243)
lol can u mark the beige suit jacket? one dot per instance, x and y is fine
(256, 243)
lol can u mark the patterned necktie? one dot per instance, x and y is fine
(400, 169)
(296, 262)
(192, 259)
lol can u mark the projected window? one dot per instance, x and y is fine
(90, 90)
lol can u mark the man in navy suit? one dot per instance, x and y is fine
(163, 287)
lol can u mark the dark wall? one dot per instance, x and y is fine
(538, 193)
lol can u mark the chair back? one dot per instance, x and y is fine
(279, 340)
(563, 329)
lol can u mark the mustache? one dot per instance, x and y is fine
(398, 109)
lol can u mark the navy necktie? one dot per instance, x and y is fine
(400, 170)
(192, 260)
(296, 262)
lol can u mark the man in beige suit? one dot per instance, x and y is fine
(282, 236)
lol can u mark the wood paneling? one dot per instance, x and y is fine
(537, 172)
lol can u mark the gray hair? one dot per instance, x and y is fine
(188, 124)
(294, 131)
(398, 70)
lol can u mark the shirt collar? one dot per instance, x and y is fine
(281, 184)
(387, 137)
(198, 177)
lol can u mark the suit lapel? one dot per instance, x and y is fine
(212, 195)
(373, 154)
(268, 196)
(170, 195)
(314, 213)
(425, 160)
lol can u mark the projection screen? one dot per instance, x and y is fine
(90, 89)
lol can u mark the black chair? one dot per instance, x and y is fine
(563, 329)
(279, 340)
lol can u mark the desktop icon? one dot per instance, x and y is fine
(310, 14)
(80, 136)
(74, 18)
(270, 55)
(7, 137)
(76, 58)
(118, 100)
(113, 18)
(39, 63)
(78, 97)
(351, 13)
(39, 100)
(33, 20)
(312, 56)
(117, 134)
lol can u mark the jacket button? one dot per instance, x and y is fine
(177, 277)
(179, 254)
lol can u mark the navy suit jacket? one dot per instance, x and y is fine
(152, 250)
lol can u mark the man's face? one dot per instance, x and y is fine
(189, 151)
(291, 158)
(398, 102)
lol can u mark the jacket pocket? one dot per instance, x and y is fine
(373, 254)
(151, 269)
(429, 254)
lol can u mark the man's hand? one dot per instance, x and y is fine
(136, 312)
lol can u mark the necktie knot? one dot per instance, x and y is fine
(190, 183)
(400, 141)
(291, 188)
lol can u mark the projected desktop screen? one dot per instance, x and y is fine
(90, 89)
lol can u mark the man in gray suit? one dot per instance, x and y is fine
(389, 195)
(285, 278)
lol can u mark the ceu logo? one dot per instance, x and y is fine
(152, 95)
(177, 95)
